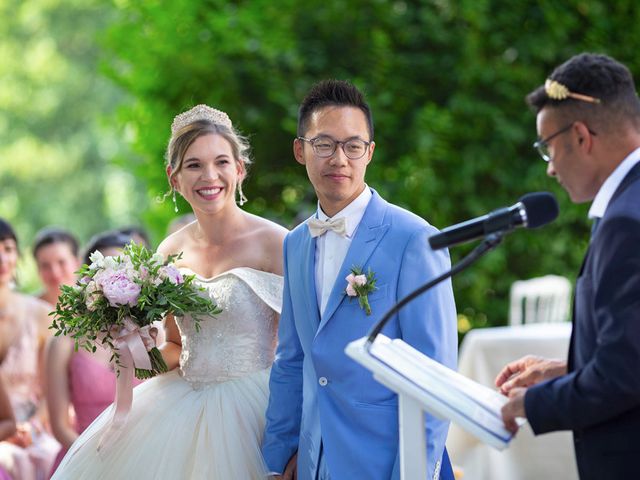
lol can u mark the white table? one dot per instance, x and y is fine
(483, 353)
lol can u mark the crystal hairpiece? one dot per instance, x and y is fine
(200, 112)
(557, 91)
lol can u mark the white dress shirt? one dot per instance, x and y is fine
(331, 248)
(611, 184)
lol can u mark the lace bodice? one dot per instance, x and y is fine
(242, 338)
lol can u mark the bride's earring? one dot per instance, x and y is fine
(175, 202)
(241, 198)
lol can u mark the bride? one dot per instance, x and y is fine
(205, 418)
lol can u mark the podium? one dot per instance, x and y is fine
(424, 385)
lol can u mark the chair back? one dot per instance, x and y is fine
(540, 300)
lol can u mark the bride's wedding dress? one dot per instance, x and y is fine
(203, 420)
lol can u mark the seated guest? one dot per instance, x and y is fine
(56, 254)
(180, 222)
(137, 234)
(7, 423)
(24, 329)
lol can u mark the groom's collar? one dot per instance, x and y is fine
(352, 213)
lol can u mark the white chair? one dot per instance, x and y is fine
(540, 300)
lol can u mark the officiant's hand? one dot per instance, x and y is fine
(514, 408)
(528, 371)
(291, 470)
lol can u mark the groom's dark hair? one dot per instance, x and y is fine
(332, 93)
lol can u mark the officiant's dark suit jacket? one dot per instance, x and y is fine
(599, 398)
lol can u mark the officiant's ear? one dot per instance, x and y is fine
(298, 151)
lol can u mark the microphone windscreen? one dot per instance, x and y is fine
(541, 208)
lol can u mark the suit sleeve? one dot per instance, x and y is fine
(609, 383)
(285, 400)
(429, 323)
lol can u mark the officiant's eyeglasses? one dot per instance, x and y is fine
(324, 146)
(542, 146)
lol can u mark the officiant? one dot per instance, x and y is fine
(588, 122)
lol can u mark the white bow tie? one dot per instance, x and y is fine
(320, 227)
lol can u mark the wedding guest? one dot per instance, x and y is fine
(7, 421)
(588, 122)
(76, 378)
(24, 322)
(180, 222)
(56, 254)
(327, 416)
(205, 417)
(138, 234)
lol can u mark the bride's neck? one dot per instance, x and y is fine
(219, 228)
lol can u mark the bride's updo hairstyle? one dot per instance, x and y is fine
(203, 120)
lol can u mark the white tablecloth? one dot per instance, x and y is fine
(483, 353)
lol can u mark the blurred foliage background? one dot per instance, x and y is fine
(88, 90)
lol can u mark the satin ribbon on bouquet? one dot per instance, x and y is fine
(132, 342)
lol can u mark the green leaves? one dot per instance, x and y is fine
(85, 313)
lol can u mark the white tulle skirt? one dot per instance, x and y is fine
(175, 431)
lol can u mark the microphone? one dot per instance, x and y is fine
(533, 210)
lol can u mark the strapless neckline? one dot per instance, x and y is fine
(227, 272)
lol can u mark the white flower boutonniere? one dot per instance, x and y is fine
(360, 285)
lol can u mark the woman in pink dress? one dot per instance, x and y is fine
(56, 254)
(79, 379)
(24, 322)
(7, 422)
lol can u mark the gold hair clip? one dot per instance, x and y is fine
(557, 91)
(200, 112)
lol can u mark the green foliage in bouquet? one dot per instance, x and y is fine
(124, 295)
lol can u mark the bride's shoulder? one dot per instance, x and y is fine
(267, 229)
(175, 243)
(267, 238)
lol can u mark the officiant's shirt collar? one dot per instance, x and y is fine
(353, 212)
(611, 184)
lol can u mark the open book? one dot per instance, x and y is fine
(443, 392)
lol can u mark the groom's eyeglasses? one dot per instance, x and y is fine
(324, 146)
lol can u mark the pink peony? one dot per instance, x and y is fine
(119, 289)
(172, 273)
(350, 291)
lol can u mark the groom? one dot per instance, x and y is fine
(327, 417)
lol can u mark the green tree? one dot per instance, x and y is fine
(446, 81)
(54, 146)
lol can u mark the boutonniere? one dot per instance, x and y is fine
(361, 285)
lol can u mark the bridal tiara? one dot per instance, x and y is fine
(200, 112)
(557, 91)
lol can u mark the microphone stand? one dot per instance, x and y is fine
(489, 243)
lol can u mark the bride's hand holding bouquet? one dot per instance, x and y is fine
(117, 300)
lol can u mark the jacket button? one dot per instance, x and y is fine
(323, 381)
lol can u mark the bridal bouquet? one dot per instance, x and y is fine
(117, 300)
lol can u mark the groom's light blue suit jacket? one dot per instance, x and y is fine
(318, 394)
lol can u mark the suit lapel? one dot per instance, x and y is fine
(366, 239)
(309, 277)
(632, 176)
